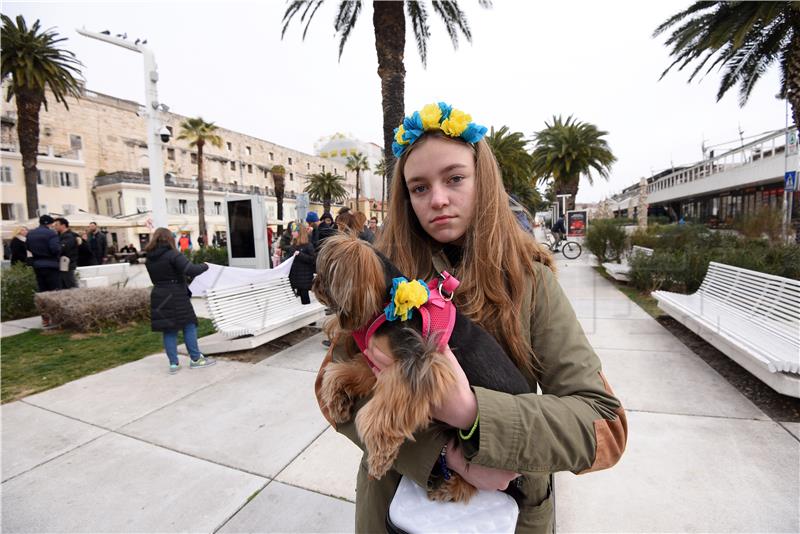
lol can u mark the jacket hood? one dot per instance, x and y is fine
(158, 252)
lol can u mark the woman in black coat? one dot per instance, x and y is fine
(170, 305)
(19, 251)
(301, 275)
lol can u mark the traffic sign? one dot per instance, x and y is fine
(790, 181)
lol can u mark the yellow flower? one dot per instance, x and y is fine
(430, 115)
(409, 295)
(399, 136)
(456, 123)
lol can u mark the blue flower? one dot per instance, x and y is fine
(446, 109)
(473, 133)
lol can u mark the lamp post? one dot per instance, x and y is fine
(158, 197)
(564, 203)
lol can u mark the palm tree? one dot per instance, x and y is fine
(389, 25)
(511, 152)
(380, 170)
(568, 149)
(34, 62)
(326, 187)
(279, 178)
(357, 163)
(198, 132)
(746, 38)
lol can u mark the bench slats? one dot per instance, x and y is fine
(757, 314)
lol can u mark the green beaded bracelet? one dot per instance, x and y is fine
(471, 431)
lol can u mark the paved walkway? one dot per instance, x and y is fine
(243, 448)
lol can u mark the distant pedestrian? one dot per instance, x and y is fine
(70, 241)
(301, 275)
(364, 232)
(98, 243)
(170, 304)
(46, 248)
(559, 231)
(373, 225)
(19, 252)
(325, 229)
(183, 243)
(312, 219)
(85, 255)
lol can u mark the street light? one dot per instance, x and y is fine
(157, 190)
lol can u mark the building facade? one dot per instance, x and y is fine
(93, 157)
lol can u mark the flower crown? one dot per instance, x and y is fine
(405, 296)
(451, 121)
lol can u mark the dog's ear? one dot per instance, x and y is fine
(351, 276)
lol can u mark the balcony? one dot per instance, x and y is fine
(122, 177)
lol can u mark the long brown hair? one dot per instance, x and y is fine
(498, 256)
(302, 234)
(161, 237)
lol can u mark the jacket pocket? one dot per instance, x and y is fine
(537, 515)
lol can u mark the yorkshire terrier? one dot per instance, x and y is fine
(356, 282)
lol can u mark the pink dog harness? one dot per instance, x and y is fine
(438, 313)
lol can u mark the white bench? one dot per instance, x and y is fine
(752, 317)
(106, 275)
(622, 271)
(252, 314)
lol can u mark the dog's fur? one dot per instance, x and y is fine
(353, 279)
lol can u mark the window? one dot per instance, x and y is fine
(109, 206)
(169, 129)
(250, 168)
(5, 175)
(233, 165)
(194, 158)
(323, 168)
(217, 208)
(171, 154)
(248, 150)
(75, 142)
(290, 161)
(291, 177)
(8, 211)
(68, 209)
(141, 204)
(308, 166)
(230, 146)
(182, 206)
(68, 179)
(271, 156)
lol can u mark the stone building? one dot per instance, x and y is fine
(93, 157)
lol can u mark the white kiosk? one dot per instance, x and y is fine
(245, 217)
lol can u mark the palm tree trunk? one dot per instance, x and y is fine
(201, 194)
(383, 194)
(28, 104)
(358, 188)
(389, 23)
(326, 205)
(279, 191)
(793, 75)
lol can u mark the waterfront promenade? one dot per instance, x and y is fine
(243, 448)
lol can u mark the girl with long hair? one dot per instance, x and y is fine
(301, 275)
(170, 299)
(448, 211)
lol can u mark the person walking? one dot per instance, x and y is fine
(301, 275)
(43, 244)
(446, 191)
(19, 251)
(70, 241)
(98, 243)
(170, 305)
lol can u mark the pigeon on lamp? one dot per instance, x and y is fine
(106, 32)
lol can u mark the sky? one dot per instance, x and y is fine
(527, 62)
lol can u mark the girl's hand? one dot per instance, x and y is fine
(483, 478)
(379, 359)
(460, 408)
(296, 252)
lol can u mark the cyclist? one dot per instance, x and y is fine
(559, 232)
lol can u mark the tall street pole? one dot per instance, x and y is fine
(158, 193)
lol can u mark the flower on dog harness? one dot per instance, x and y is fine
(438, 312)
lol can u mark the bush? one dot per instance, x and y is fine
(606, 239)
(17, 287)
(92, 309)
(217, 255)
(765, 222)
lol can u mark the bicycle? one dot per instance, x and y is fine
(570, 249)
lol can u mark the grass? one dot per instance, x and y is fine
(39, 360)
(643, 300)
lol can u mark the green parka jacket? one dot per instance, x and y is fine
(576, 424)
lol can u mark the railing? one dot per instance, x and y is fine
(769, 146)
(187, 183)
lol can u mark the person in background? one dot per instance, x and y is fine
(285, 243)
(301, 275)
(170, 304)
(312, 219)
(269, 245)
(183, 242)
(98, 243)
(45, 247)
(70, 241)
(559, 231)
(325, 229)
(19, 252)
(85, 255)
(373, 225)
(364, 232)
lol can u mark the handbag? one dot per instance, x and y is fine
(63, 264)
(412, 512)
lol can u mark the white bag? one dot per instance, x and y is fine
(412, 512)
